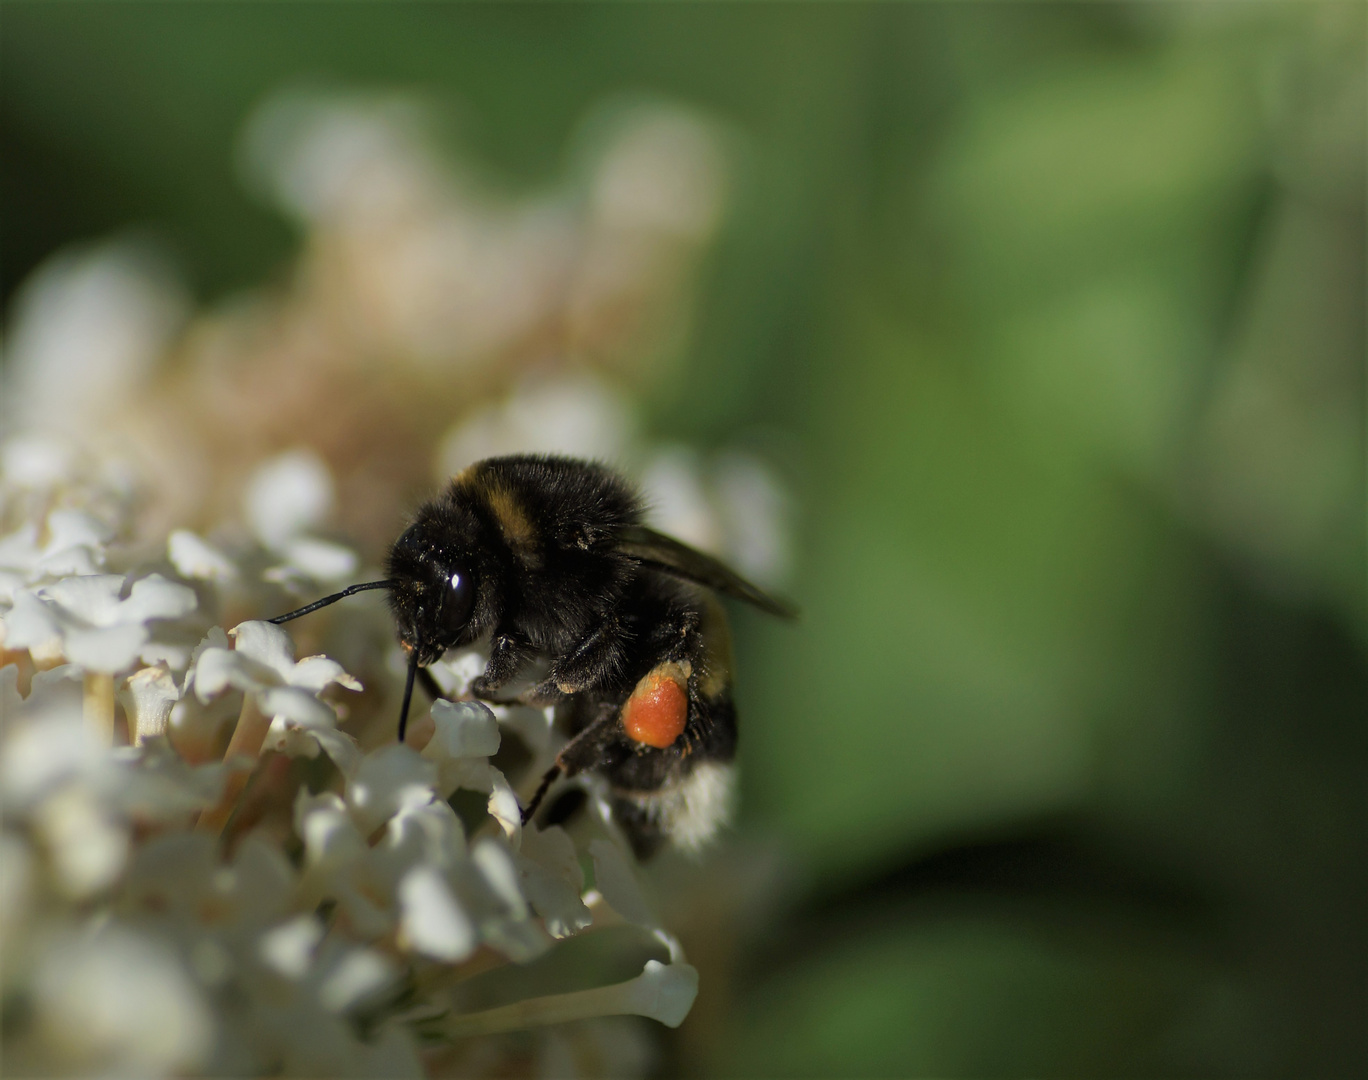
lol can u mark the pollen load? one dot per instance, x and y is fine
(658, 709)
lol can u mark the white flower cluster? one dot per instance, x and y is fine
(201, 871)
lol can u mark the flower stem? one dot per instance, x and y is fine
(662, 992)
(247, 738)
(97, 705)
(446, 975)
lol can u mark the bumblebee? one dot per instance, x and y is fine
(547, 558)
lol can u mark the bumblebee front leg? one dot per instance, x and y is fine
(508, 655)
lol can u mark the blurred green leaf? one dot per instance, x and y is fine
(971, 997)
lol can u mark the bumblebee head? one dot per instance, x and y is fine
(442, 593)
(432, 593)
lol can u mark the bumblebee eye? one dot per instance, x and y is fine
(459, 599)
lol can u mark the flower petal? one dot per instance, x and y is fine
(339, 746)
(120, 997)
(501, 875)
(296, 740)
(552, 885)
(75, 543)
(11, 582)
(71, 561)
(196, 558)
(296, 705)
(75, 528)
(476, 774)
(554, 851)
(107, 649)
(358, 974)
(217, 668)
(262, 881)
(503, 806)
(465, 729)
(331, 839)
(267, 644)
(171, 646)
(216, 638)
(320, 559)
(19, 550)
(288, 495)
(92, 598)
(152, 783)
(31, 624)
(282, 737)
(392, 777)
(313, 673)
(88, 847)
(289, 948)
(457, 670)
(664, 992)
(613, 877)
(433, 922)
(154, 597)
(431, 833)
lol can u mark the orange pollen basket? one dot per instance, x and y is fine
(657, 711)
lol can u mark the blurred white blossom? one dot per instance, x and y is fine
(112, 999)
(288, 495)
(582, 416)
(663, 171)
(288, 499)
(194, 557)
(85, 619)
(89, 327)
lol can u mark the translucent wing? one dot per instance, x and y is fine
(669, 555)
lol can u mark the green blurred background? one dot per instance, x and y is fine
(1055, 315)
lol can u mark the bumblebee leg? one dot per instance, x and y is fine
(507, 656)
(546, 781)
(596, 661)
(582, 752)
(677, 637)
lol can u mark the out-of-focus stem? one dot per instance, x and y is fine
(247, 738)
(536, 1012)
(98, 705)
(436, 978)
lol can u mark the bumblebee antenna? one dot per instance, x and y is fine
(408, 694)
(388, 583)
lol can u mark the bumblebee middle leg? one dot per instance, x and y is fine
(585, 751)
